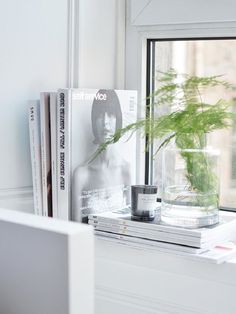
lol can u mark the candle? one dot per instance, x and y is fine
(143, 202)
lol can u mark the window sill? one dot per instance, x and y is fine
(153, 279)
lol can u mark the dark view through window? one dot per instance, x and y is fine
(201, 58)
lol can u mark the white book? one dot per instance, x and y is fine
(53, 127)
(86, 118)
(35, 150)
(120, 222)
(46, 153)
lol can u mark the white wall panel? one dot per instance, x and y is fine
(99, 52)
(46, 45)
(33, 57)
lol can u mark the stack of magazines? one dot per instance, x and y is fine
(66, 128)
(213, 243)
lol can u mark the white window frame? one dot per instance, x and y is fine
(137, 35)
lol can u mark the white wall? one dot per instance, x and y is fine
(33, 57)
(101, 43)
(42, 48)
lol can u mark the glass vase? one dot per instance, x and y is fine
(190, 191)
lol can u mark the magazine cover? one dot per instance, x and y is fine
(92, 116)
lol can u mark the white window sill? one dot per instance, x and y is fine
(147, 281)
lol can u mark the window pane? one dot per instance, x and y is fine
(204, 58)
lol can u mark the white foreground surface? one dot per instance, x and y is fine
(46, 265)
(138, 281)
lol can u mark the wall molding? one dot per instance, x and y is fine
(16, 193)
(17, 198)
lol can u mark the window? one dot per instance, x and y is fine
(201, 57)
(233, 159)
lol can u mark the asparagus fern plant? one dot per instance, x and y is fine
(187, 123)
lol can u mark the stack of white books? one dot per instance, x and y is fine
(215, 243)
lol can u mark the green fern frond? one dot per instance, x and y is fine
(188, 121)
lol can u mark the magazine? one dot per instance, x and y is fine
(46, 153)
(120, 222)
(86, 118)
(53, 128)
(35, 150)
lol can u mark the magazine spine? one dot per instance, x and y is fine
(63, 153)
(35, 150)
(53, 122)
(45, 150)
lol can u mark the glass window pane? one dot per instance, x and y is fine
(204, 58)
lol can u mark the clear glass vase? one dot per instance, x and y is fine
(190, 191)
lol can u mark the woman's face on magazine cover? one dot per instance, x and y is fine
(105, 125)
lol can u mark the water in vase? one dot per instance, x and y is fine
(185, 208)
(190, 187)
